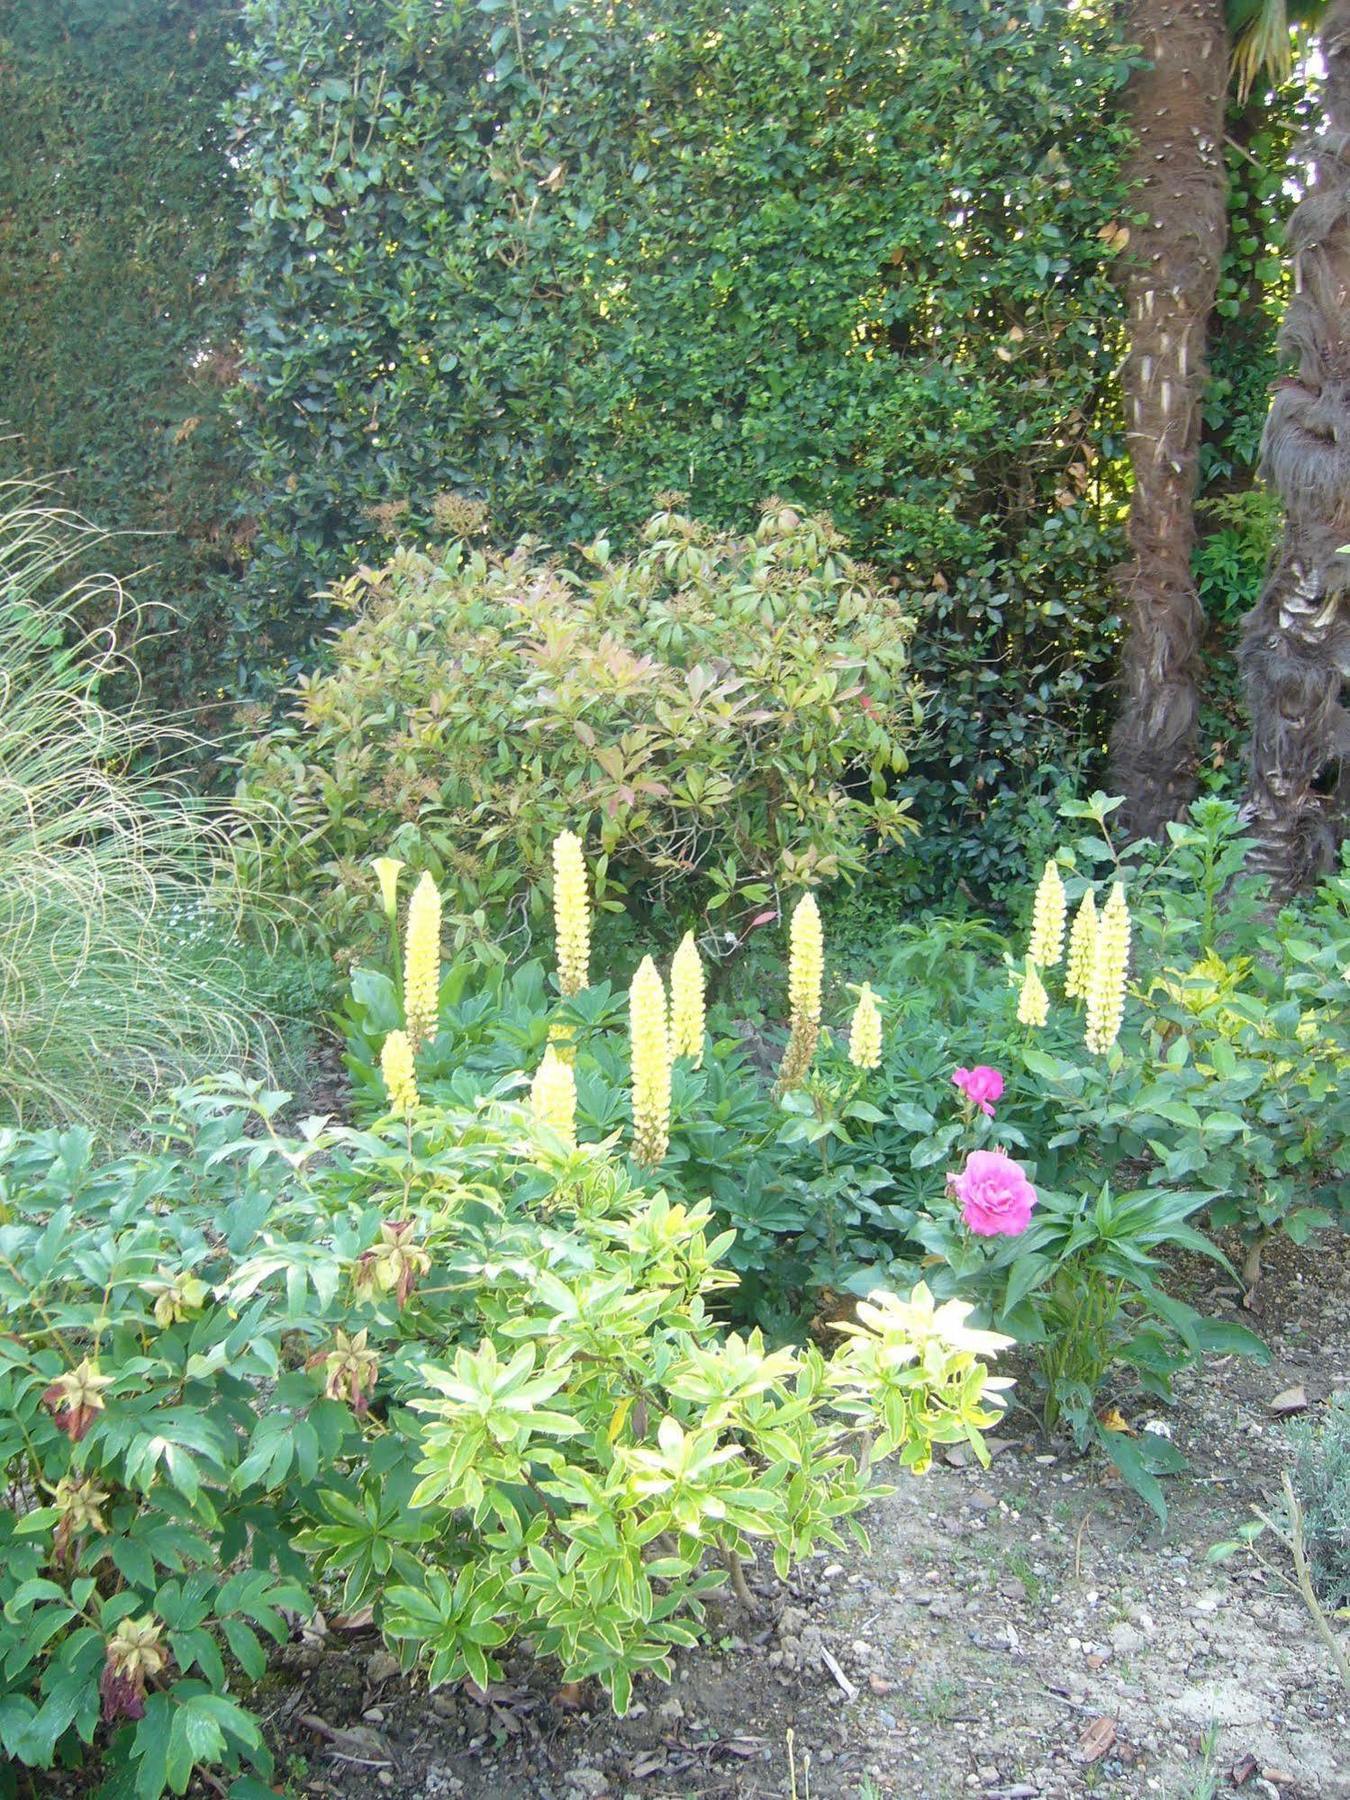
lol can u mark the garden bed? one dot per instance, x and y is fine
(1016, 1634)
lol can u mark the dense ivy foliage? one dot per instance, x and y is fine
(561, 257)
(118, 247)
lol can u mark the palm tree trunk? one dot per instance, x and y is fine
(1296, 642)
(1172, 273)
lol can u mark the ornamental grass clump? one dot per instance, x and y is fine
(123, 970)
(649, 1038)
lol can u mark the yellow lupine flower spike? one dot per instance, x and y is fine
(806, 962)
(686, 1001)
(1082, 948)
(864, 1038)
(649, 1033)
(1047, 919)
(553, 1097)
(422, 962)
(1033, 1003)
(806, 971)
(400, 1078)
(571, 914)
(1110, 968)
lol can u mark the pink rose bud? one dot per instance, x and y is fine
(982, 1086)
(996, 1197)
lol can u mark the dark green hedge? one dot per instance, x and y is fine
(561, 255)
(119, 244)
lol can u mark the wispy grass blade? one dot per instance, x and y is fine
(121, 969)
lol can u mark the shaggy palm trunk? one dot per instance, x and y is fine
(1296, 644)
(1171, 275)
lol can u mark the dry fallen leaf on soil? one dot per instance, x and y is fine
(1292, 1400)
(363, 1619)
(961, 1456)
(1097, 1738)
(352, 1743)
(1242, 1770)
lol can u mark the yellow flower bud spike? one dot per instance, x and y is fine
(687, 1002)
(553, 1097)
(1110, 970)
(422, 963)
(1033, 1003)
(571, 914)
(649, 1034)
(400, 1078)
(1047, 919)
(806, 973)
(864, 1037)
(1082, 948)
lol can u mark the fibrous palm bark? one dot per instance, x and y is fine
(1172, 270)
(1296, 642)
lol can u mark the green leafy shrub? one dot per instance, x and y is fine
(562, 259)
(439, 1365)
(1231, 1077)
(725, 713)
(833, 1181)
(121, 969)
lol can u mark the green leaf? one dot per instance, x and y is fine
(1134, 1466)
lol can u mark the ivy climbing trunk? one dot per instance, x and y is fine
(1296, 643)
(1171, 277)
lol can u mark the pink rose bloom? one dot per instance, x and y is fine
(982, 1085)
(996, 1197)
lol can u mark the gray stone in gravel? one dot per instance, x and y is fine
(589, 1781)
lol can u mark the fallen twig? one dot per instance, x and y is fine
(847, 1688)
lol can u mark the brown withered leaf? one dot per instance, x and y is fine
(363, 1619)
(1097, 1737)
(1291, 1400)
(1242, 1770)
(961, 1456)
